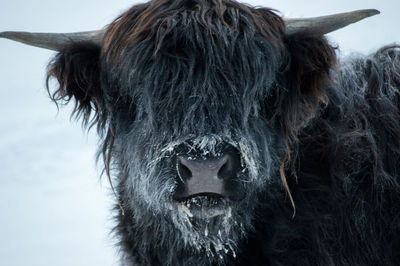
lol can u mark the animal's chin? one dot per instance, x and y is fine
(209, 224)
(204, 206)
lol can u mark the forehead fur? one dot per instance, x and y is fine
(155, 20)
(193, 60)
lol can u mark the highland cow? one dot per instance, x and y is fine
(234, 137)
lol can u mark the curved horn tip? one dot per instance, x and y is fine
(53, 41)
(9, 34)
(372, 12)
(4, 34)
(329, 23)
(364, 13)
(29, 38)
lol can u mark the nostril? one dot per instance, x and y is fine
(227, 170)
(184, 172)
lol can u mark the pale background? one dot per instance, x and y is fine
(54, 210)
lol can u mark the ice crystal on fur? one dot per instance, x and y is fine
(210, 229)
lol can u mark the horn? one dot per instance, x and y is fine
(53, 41)
(325, 24)
(318, 25)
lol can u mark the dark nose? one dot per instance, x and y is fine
(206, 175)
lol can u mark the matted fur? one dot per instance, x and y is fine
(175, 76)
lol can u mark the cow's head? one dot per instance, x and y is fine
(198, 104)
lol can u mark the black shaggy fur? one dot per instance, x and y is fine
(319, 139)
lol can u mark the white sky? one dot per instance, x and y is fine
(53, 208)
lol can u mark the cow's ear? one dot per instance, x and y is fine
(302, 81)
(77, 70)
